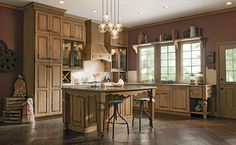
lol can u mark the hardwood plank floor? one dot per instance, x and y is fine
(168, 130)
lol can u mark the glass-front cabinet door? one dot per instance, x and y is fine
(119, 58)
(114, 56)
(123, 57)
(72, 54)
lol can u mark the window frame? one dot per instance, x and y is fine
(167, 44)
(178, 54)
(138, 62)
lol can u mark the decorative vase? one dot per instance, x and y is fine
(192, 31)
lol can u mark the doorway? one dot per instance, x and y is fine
(227, 80)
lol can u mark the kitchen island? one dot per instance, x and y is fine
(85, 108)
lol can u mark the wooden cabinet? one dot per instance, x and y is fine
(185, 99)
(73, 28)
(202, 100)
(48, 48)
(119, 58)
(122, 40)
(72, 54)
(47, 22)
(180, 99)
(42, 66)
(48, 88)
(163, 94)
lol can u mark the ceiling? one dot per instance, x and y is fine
(153, 10)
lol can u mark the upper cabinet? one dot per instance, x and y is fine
(48, 23)
(73, 28)
(119, 58)
(121, 41)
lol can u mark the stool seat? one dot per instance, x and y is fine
(141, 99)
(115, 101)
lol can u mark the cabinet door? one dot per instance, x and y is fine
(180, 99)
(56, 101)
(115, 58)
(78, 31)
(42, 47)
(67, 28)
(42, 22)
(163, 100)
(122, 58)
(55, 89)
(42, 90)
(56, 49)
(77, 117)
(196, 92)
(55, 24)
(122, 40)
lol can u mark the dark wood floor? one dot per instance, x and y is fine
(168, 130)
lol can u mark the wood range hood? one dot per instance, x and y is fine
(95, 48)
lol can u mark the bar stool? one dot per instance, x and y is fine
(116, 112)
(140, 111)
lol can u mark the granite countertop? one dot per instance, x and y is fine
(108, 89)
(166, 84)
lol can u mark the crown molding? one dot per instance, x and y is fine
(10, 6)
(183, 18)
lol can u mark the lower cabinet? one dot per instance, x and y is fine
(180, 99)
(163, 94)
(185, 99)
(48, 97)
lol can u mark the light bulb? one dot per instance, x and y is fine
(102, 28)
(118, 27)
(114, 34)
(106, 18)
(110, 26)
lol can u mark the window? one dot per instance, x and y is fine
(168, 63)
(230, 64)
(146, 63)
(191, 60)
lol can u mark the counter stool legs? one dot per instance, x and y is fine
(140, 114)
(114, 116)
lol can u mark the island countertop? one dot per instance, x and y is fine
(108, 89)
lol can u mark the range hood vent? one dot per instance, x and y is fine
(99, 52)
(95, 49)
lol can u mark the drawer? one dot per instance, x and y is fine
(163, 88)
(196, 92)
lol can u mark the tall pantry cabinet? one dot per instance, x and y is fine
(43, 57)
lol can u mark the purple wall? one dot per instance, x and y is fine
(11, 32)
(216, 28)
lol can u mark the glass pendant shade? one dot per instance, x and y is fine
(106, 18)
(110, 27)
(114, 34)
(102, 28)
(118, 27)
(110, 18)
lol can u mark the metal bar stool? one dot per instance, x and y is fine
(116, 112)
(140, 111)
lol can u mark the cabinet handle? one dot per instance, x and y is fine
(222, 88)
